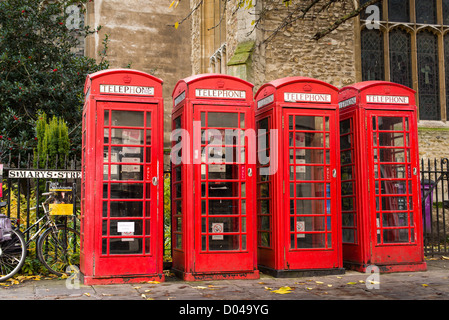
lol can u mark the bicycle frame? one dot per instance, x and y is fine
(48, 223)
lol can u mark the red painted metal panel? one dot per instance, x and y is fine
(212, 204)
(122, 202)
(387, 226)
(299, 221)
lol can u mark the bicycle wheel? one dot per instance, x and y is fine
(12, 255)
(58, 249)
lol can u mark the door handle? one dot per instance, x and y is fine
(250, 172)
(334, 173)
(415, 171)
(155, 181)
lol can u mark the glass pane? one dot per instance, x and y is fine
(309, 190)
(148, 119)
(125, 228)
(392, 155)
(400, 61)
(126, 172)
(372, 55)
(391, 139)
(349, 235)
(428, 76)
(127, 136)
(309, 173)
(224, 242)
(446, 66)
(446, 14)
(126, 191)
(395, 219)
(127, 118)
(126, 209)
(398, 10)
(426, 11)
(128, 154)
(394, 203)
(106, 118)
(347, 204)
(223, 207)
(391, 123)
(223, 189)
(395, 235)
(221, 171)
(305, 241)
(223, 120)
(392, 171)
(125, 246)
(309, 123)
(310, 207)
(220, 225)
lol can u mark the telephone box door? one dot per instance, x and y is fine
(126, 224)
(223, 186)
(311, 224)
(393, 166)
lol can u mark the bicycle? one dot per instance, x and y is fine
(56, 246)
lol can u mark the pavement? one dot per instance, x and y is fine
(227, 296)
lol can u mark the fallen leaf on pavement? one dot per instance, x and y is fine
(283, 290)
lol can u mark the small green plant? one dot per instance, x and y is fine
(53, 141)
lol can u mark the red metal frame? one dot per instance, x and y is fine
(299, 217)
(213, 235)
(381, 206)
(121, 207)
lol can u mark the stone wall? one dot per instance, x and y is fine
(293, 52)
(140, 36)
(433, 143)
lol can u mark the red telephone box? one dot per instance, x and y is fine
(212, 182)
(298, 214)
(122, 168)
(380, 188)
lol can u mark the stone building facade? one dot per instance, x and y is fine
(141, 36)
(219, 36)
(227, 33)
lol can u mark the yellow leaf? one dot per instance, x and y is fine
(136, 288)
(87, 294)
(283, 290)
(352, 283)
(309, 288)
(319, 282)
(268, 288)
(176, 5)
(200, 287)
(153, 282)
(171, 5)
(329, 285)
(425, 285)
(176, 25)
(148, 290)
(143, 296)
